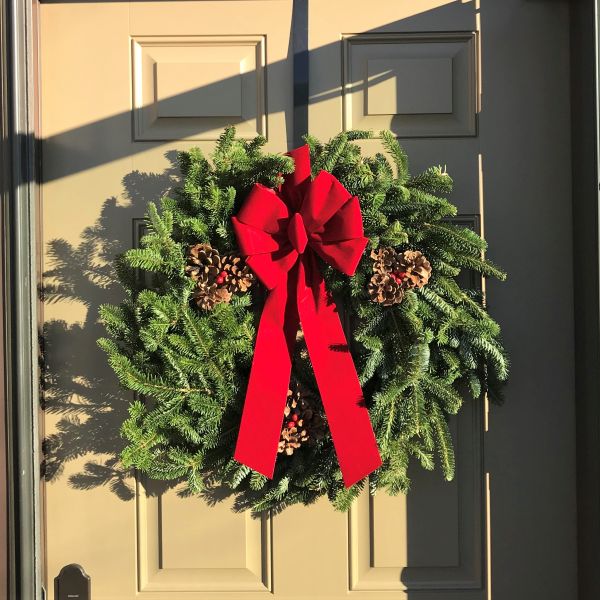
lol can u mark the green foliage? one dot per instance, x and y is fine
(417, 360)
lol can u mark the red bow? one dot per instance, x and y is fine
(281, 233)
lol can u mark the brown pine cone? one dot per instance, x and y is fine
(414, 269)
(302, 422)
(203, 263)
(208, 296)
(385, 260)
(386, 289)
(204, 267)
(238, 276)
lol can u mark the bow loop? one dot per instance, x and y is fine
(325, 197)
(263, 209)
(281, 233)
(301, 173)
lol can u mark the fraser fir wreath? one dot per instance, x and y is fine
(184, 338)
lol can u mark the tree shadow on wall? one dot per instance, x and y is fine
(78, 384)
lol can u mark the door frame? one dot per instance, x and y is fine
(18, 100)
(585, 111)
(21, 547)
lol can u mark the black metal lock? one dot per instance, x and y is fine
(72, 583)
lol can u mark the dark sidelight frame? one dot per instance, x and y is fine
(19, 232)
(585, 102)
(21, 554)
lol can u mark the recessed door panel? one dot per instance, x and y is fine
(186, 545)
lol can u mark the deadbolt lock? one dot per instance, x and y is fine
(72, 583)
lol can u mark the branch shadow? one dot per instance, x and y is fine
(80, 387)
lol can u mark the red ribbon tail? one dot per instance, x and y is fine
(347, 414)
(262, 417)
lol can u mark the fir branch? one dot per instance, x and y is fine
(415, 359)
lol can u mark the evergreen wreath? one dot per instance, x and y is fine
(183, 338)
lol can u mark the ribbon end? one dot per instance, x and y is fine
(259, 467)
(353, 477)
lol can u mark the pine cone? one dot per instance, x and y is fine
(238, 276)
(396, 272)
(385, 260)
(204, 267)
(386, 289)
(302, 422)
(414, 269)
(203, 261)
(208, 296)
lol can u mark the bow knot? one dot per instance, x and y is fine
(297, 233)
(282, 233)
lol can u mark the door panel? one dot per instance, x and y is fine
(218, 76)
(414, 70)
(417, 85)
(191, 87)
(125, 85)
(216, 551)
(431, 539)
(432, 43)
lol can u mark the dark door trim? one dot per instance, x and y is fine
(586, 269)
(4, 567)
(18, 94)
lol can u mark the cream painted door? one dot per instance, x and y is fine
(478, 85)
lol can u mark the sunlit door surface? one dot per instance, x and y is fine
(478, 86)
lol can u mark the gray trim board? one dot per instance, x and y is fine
(585, 137)
(5, 572)
(19, 239)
